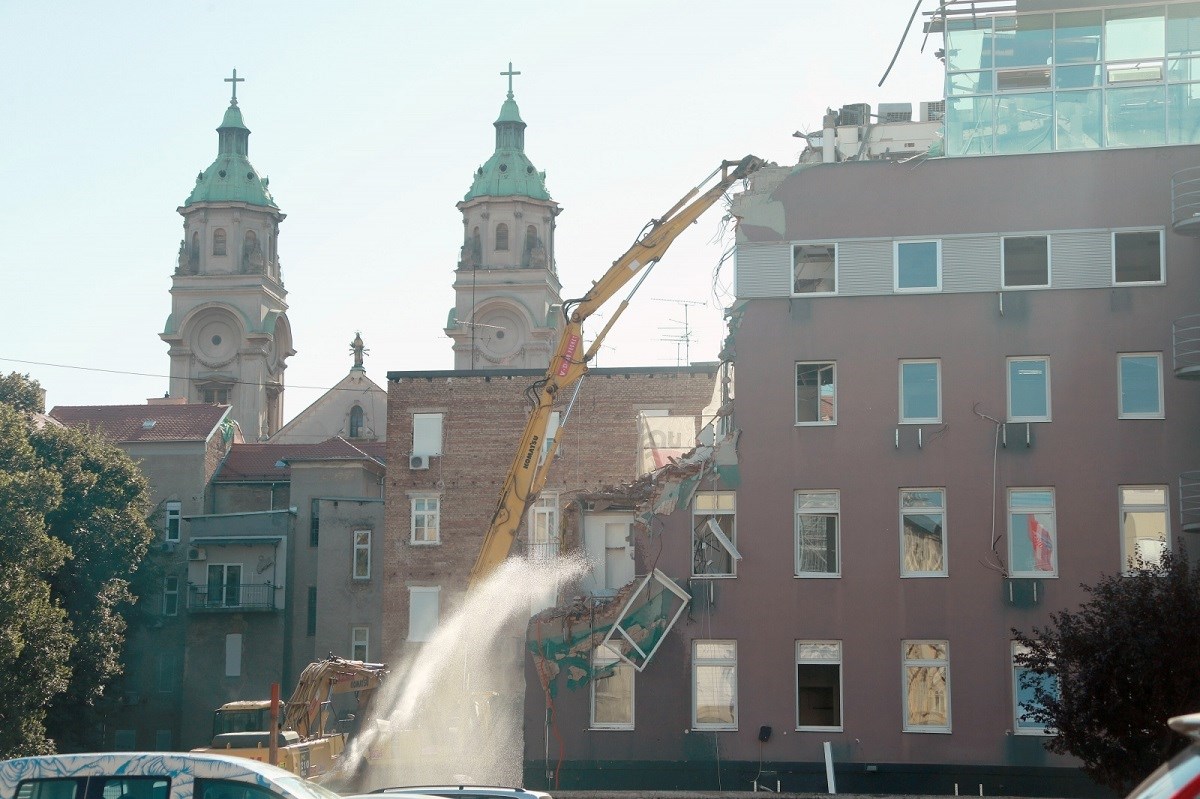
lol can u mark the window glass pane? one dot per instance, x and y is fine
(1077, 37)
(422, 613)
(1141, 385)
(817, 499)
(1023, 41)
(1131, 33)
(1025, 684)
(714, 650)
(818, 695)
(1032, 533)
(1145, 536)
(819, 650)
(715, 501)
(959, 83)
(1079, 120)
(1183, 29)
(816, 544)
(917, 265)
(969, 125)
(815, 268)
(1144, 496)
(612, 690)
(919, 392)
(816, 393)
(1137, 256)
(1183, 113)
(1086, 76)
(1024, 123)
(968, 44)
(923, 531)
(1026, 261)
(1183, 70)
(1029, 389)
(1136, 116)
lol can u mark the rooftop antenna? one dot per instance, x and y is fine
(685, 335)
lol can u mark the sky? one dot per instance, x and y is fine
(369, 118)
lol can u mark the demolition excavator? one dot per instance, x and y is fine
(569, 363)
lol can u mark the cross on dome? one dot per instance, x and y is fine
(510, 74)
(235, 80)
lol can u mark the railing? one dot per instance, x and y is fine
(1185, 201)
(544, 550)
(231, 598)
(1189, 500)
(1185, 338)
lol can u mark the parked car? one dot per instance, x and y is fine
(1179, 777)
(460, 792)
(151, 775)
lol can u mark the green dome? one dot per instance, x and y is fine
(509, 172)
(231, 178)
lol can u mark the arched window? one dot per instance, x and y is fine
(530, 238)
(356, 421)
(194, 253)
(219, 241)
(251, 241)
(501, 236)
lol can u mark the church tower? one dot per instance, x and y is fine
(228, 330)
(507, 294)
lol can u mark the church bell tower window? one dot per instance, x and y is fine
(356, 421)
(501, 236)
(194, 253)
(219, 241)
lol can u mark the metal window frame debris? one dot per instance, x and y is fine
(627, 643)
(715, 528)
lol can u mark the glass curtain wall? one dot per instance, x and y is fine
(1073, 80)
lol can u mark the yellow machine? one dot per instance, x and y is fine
(568, 365)
(305, 745)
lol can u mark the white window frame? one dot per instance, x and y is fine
(1008, 367)
(174, 510)
(425, 514)
(719, 662)
(1124, 507)
(1049, 263)
(828, 508)
(604, 657)
(428, 433)
(1162, 258)
(170, 595)
(823, 365)
(795, 246)
(1022, 727)
(1015, 508)
(426, 631)
(920, 419)
(706, 506)
(361, 543)
(360, 637)
(233, 655)
(806, 656)
(896, 245)
(924, 510)
(1121, 412)
(923, 663)
(544, 509)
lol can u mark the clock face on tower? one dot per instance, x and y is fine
(499, 334)
(215, 341)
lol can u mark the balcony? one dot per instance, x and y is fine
(543, 550)
(1185, 338)
(1185, 201)
(231, 598)
(1189, 501)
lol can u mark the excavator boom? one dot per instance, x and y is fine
(568, 364)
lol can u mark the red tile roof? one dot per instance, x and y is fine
(271, 461)
(130, 423)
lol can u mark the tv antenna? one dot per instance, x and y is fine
(684, 332)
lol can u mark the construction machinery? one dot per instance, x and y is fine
(568, 365)
(303, 741)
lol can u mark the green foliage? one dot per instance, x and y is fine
(1123, 663)
(72, 532)
(22, 393)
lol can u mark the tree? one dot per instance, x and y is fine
(1120, 666)
(21, 393)
(95, 518)
(35, 637)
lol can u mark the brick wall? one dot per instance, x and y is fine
(483, 417)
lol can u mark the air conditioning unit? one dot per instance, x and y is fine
(197, 553)
(933, 110)
(416, 462)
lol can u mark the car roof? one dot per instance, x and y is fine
(138, 764)
(460, 790)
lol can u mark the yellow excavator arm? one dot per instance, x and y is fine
(568, 364)
(305, 711)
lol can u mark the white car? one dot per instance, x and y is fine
(151, 775)
(461, 792)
